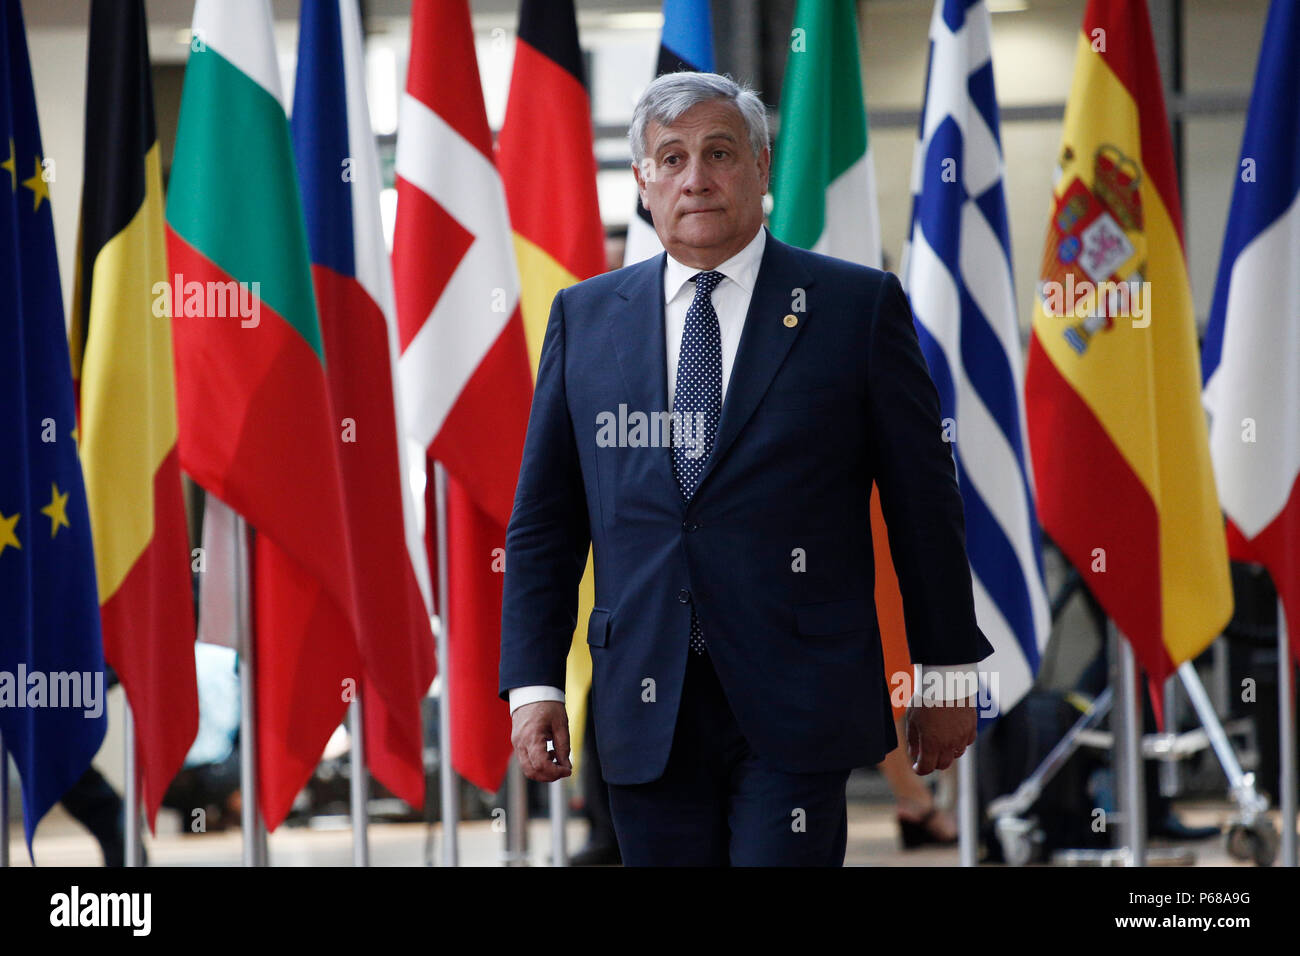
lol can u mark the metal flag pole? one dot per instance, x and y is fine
(446, 774)
(131, 797)
(559, 817)
(1132, 796)
(967, 809)
(516, 815)
(250, 818)
(4, 803)
(360, 784)
(1115, 825)
(1286, 739)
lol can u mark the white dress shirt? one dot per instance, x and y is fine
(731, 302)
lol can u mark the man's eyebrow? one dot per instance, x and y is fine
(677, 140)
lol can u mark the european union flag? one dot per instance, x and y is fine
(51, 657)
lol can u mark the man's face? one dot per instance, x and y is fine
(703, 184)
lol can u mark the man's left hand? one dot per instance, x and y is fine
(939, 733)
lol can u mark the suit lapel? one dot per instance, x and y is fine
(639, 347)
(765, 341)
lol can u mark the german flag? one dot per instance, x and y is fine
(1112, 390)
(554, 214)
(122, 359)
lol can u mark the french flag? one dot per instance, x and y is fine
(338, 175)
(1251, 356)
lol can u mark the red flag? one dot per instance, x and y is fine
(465, 380)
(354, 297)
(257, 428)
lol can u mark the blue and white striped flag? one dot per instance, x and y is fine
(957, 272)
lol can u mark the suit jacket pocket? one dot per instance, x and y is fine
(598, 627)
(834, 617)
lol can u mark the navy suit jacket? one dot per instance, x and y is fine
(774, 550)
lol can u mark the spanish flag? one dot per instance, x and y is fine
(1117, 435)
(555, 218)
(122, 357)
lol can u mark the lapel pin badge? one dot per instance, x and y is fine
(790, 321)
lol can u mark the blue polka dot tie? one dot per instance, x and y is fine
(697, 399)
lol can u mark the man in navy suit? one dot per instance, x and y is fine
(710, 421)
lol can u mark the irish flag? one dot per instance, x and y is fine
(1112, 387)
(823, 177)
(824, 192)
(257, 429)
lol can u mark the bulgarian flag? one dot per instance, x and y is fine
(257, 429)
(464, 375)
(824, 198)
(122, 359)
(338, 168)
(1112, 387)
(549, 113)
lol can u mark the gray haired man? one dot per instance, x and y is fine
(737, 667)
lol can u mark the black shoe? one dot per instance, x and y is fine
(916, 833)
(1173, 828)
(597, 854)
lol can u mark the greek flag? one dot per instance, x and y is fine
(957, 272)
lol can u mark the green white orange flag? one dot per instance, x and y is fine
(1112, 389)
(549, 114)
(256, 425)
(824, 192)
(823, 176)
(122, 359)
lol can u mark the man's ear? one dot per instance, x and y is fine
(645, 172)
(640, 184)
(765, 168)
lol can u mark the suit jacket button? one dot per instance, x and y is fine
(684, 596)
(791, 321)
(690, 525)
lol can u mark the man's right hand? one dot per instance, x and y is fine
(534, 725)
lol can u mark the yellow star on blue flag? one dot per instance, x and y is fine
(47, 583)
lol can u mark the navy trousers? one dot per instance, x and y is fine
(720, 804)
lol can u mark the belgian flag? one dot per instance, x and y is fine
(122, 359)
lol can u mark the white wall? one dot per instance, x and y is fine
(59, 75)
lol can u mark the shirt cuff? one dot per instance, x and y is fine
(519, 696)
(947, 682)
